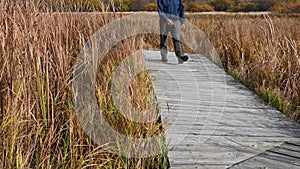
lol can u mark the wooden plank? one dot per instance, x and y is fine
(236, 131)
(281, 157)
(261, 162)
(295, 145)
(199, 166)
(255, 145)
(286, 152)
(200, 162)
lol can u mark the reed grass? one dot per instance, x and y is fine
(39, 126)
(261, 51)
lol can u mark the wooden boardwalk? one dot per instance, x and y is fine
(213, 121)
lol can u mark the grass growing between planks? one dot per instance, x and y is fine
(39, 127)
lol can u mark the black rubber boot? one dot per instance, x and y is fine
(182, 59)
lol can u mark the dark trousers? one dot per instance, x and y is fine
(175, 33)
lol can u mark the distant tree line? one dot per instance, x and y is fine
(284, 6)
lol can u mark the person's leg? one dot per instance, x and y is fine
(175, 32)
(163, 40)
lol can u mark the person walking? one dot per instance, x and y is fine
(172, 19)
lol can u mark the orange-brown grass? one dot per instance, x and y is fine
(262, 51)
(39, 127)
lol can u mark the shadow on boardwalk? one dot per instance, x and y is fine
(213, 121)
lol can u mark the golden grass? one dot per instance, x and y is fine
(39, 127)
(262, 51)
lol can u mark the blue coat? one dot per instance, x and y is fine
(171, 9)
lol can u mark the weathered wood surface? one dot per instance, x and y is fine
(213, 121)
(285, 156)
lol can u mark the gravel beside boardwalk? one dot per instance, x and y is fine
(213, 121)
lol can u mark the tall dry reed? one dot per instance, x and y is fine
(262, 51)
(39, 127)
